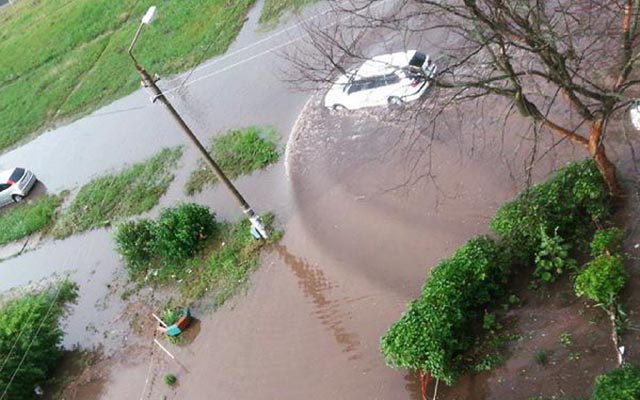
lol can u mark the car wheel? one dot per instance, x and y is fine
(395, 102)
(17, 198)
(339, 107)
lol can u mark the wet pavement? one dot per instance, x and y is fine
(362, 228)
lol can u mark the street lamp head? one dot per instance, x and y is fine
(149, 16)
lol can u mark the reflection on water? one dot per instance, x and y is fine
(412, 385)
(317, 287)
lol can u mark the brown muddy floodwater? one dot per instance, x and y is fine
(367, 207)
(354, 253)
(358, 245)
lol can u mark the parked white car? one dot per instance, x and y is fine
(390, 79)
(15, 184)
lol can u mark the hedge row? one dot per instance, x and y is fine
(539, 226)
(437, 328)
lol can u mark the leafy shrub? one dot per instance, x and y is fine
(620, 384)
(602, 279)
(37, 349)
(606, 239)
(568, 202)
(436, 329)
(170, 379)
(552, 259)
(135, 242)
(170, 241)
(180, 231)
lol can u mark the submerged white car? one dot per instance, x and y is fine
(390, 79)
(15, 184)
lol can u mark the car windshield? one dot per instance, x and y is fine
(16, 175)
(372, 82)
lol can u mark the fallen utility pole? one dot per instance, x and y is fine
(150, 83)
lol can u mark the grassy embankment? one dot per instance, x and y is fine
(27, 218)
(274, 10)
(60, 59)
(237, 152)
(133, 191)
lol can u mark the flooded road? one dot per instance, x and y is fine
(366, 213)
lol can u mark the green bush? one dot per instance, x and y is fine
(437, 329)
(135, 243)
(569, 201)
(174, 238)
(30, 339)
(620, 384)
(607, 239)
(180, 231)
(602, 279)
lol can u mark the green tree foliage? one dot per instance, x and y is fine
(569, 201)
(620, 384)
(30, 322)
(436, 330)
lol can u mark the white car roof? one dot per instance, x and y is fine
(385, 64)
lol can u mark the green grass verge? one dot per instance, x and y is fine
(27, 218)
(61, 58)
(105, 199)
(221, 269)
(273, 10)
(237, 152)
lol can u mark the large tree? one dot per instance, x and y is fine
(568, 65)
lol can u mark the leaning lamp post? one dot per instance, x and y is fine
(150, 83)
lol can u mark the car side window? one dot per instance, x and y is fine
(4, 186)
(373, 82)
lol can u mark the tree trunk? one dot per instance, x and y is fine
(605, 166)
(424, 383)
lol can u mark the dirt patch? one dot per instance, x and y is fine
(557, 345)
